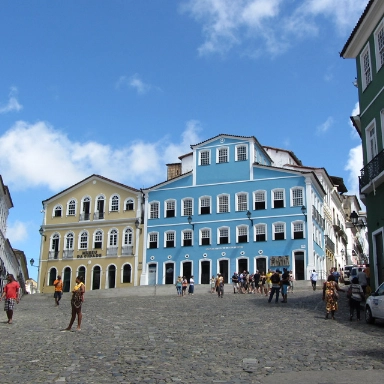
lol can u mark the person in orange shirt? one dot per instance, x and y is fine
(58, 283)
(12, 295)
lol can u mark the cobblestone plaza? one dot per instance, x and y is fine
(164, 338)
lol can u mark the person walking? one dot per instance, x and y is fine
(179, 284)
(284, 285)
(235, 284)
(275, 280)
(356, 296)
(362, 277)
(76, 303)
(220, 285)
(191, 286)
(11, 294)
(291, 279)
(58, 283)
(184, 286)
(330, 296)
(313, 278)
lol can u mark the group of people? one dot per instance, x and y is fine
(182, 285)
(355, 293)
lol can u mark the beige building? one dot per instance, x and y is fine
(92, 229)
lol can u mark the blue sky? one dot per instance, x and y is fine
(120, 88)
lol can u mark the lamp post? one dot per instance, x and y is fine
(41, 231)
(355, 220)
(249, 217)
(137, 225)
(304, 211)
(190, 222)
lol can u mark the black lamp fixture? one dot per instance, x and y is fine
(355, 220)
(190, 222)
(137, 225)
(41, 231)
(304, 211)
(249, 217)
(32, 262)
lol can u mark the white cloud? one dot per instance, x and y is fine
(35, 155)
(272, 24)
(17, 232)
(134, 82)
(324, 127)
(13, 104)
(353, 166)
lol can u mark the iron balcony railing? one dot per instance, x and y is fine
(112, 251)
(53, 255)
(127, 250)
(98, 216)
(329, 244)
(371, 170)
(85, 216)
(68, 254)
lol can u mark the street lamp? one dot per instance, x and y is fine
(137, 225)
(304, 211)
(249, 217)
(41, 231)
(355, 220)
(33, 262)
(190, 222)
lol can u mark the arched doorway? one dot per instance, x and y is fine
(152, 270)
(299, 266)
(205, 271)
(96, 277)
(261, 264)
(187, 269)
(223, 269)
(111, 276)
(169, 273)
(242, 265)
(52, 276)
(67, 280)
(81, 272)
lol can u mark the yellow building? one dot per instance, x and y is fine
(92, 229)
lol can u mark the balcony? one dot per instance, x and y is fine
(68, 254)
(85, 216)
(329, 244)
(127, 250)
(53, 255)
(112, 251)
(374, 170)
(98, 215)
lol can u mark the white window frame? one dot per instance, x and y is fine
(126, 202)
(228, 203)
(279, 223)
(273, 197)
(127, 236)
(112, 204)
(379, 56)
(190, 209)
(153, 233)
(200, 205)
(151, 211)
(56, 208)
(293, 198)
(201, 236)
(364, 71)
(229, 234)
(69, 209)
(237, 152)
(113, 237)
(166, 233)
(98, 232)
(220, 157)
(370, 154)
(242, 228)
(171, 201)
(183, 233)
(69, 238)
(293, 224)
(259, 191)
(237, 207)
(204, 163)
(81, 242)
(260, 225)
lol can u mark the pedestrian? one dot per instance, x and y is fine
(291, 279)
(284, 285)
(355, 295)
(256, 277)
(330, 296)
(191, 286)
(235, 279)
(11, 293)
(185, 285)
(220, 285)
(275, 280)
(58, 283)
(362, 277)
(313, 278)
(268, 280)
(336, 275)
(213, 284)
(179, 284)
(76, 303)
(263, 288)
(367, 272)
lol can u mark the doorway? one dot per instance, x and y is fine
(152, 270)
(81, 273)
(96, 277)
(242, 265)
(378, 256)
(111, 276)
(223, 269)
(261, 264)
(205, 270)
(169, 273)
(67, 280)
(187, 270)
(299, 266)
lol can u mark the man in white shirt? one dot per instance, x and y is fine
(313, 279)
(362, 279)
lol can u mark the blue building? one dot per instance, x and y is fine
(228, 207)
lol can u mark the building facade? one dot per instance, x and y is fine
(92, 229)
(366, 46)
(229, 208)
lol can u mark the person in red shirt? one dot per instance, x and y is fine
(12, 295)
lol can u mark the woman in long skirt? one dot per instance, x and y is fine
(330, 296)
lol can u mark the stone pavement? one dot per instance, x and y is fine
(163, 338)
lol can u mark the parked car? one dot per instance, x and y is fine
(347, 273)
(374, 305)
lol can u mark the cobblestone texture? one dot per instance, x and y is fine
(192, 339)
